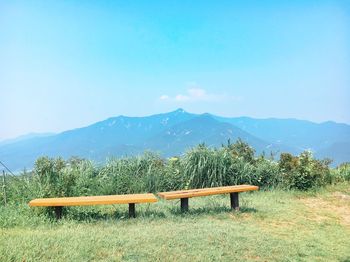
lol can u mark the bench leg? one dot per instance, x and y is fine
(234, 201)
(132, 210)
(184, 204)
(58, 212)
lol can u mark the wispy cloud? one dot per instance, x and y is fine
(197, 94)
(164, 97)
(182, 98)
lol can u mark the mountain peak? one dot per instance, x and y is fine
(179, 111)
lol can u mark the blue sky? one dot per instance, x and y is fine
(66, 64)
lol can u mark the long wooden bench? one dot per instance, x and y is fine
(58, 203)
(184, 195)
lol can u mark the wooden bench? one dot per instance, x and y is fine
(184, 195)
(58, 203)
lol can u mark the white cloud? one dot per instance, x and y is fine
(182, 98)
(197, 94)
(164, 97)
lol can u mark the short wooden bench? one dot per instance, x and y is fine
(58, 203)
(184, 195)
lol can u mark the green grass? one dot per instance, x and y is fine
(271, 226)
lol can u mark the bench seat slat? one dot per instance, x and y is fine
(94, 200)
(206, 191)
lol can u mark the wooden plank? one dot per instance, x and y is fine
(234, 188)
(94, 200)
(206, 191)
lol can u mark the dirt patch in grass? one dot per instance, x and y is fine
(336, 205)
(342, 196)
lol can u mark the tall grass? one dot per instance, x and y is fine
(205, 167)
(199, 167)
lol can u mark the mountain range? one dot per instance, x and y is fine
(173, 133)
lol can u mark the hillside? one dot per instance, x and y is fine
(174, 132)
(300, 134)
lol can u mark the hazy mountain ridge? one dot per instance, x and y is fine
(172, 133)
(301, 134)
(24, 137)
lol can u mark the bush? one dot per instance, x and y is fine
(54, 179)
(87, 180)
(241, 149)
(344, 171)
(267, 173)
(303, 172)
(340, 174)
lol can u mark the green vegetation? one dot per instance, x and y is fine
(341, 173)
(301, 213)
(199, 167)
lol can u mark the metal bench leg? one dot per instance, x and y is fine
(132, 210)
(58, 212)
(234, 201)
(184, 204)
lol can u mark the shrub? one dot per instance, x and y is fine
(241, 149)
(344, 171)
(18, 189)
(303, 172)
(87, 179)
(267, 173)
(340, 174)
(53, 177)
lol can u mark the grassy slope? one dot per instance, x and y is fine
(282, 226)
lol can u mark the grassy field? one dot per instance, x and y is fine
(271, 226)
